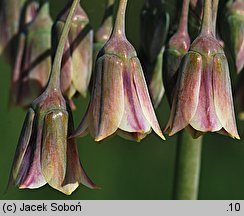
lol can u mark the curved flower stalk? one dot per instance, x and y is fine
(233, 31)
(177, 47)
(120, 102)
(33, 60)
(44, 153)
(203, 98)
(154, 29)
(14, 15)
(77, 58)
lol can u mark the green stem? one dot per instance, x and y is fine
(54, 79)
(188, 161)
(207, 26)
(119, 26)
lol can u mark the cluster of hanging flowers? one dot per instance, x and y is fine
(54, 62)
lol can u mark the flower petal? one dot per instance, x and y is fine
(133, 119)
(82, 58)
(20, 165)
(205, 118)
(67, 68)
(75, 174)
(143, 96)
(107, 102)
(133, 136)
(186, 94)
(34, 177)
(223, 96)
(54, 148)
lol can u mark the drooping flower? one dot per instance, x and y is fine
(120, 102)
(33, 61)
(44, 154)
(14, 15)
(232, 31)
(177, 47)
(203, 98)
(77, 58)
(154, 28)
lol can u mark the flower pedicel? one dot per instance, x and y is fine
(203, 98)
(120, 102)
(44, 153)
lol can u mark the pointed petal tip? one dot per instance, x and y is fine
(99, 138)
(161, 136)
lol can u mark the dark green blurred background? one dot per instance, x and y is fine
(124, 169)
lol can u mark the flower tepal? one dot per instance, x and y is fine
(203, 98)
(44, 153)
(120, 102)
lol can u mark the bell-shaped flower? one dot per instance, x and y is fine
(177, 47)
(14, 15)
(232, 31)
(203, 98)
(45, 154)
(120, 102)
(77, 58)
(33, 60)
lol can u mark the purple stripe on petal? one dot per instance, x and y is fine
(222, 95)
(54, 147)
(187, 93)
(21, 159)
(107, 103)
(133, 119)
(34, 177)
(205, 118)
(143, 96)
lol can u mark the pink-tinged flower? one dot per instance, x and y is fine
(233, 31)
(44, 153)
(120, 102)
(33, 61)
(14, 15)
(203, 98)
(77, 58)
(177, 47)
